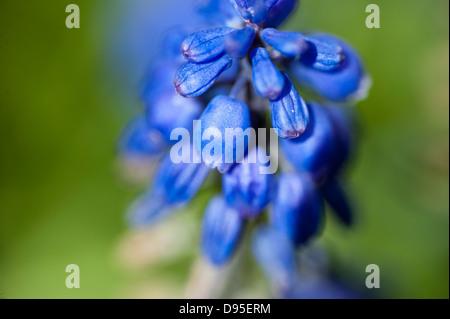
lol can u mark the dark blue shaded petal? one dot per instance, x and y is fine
(238, 43)
(280, 12)
(255, 11)
(205, 45)
(275, 254)
(347, 82)
(168, 111)
(290, 44)
(140, 140)
(230, 74)
(296, 207)
(290, 115)
(315, 150)
(336, 197)
(221, 231)
(268, 81)
(194, 79)
(246, 187)
(323, 54)
(343, 122)
(220, 117)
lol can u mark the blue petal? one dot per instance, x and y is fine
(275, 254)
(323, 54)
(268, 81)
(168, 111)
(221, 231)
(336, 197)
(315, 150)
(238, 43)
(290, 44)
(140, 140)
(296, 208)
(290, 116)
(194, 79)
(343, 122)
(221, 116)
(246, 188)
(255, 11)
(347, 82)
(175, 184)
(205, 45)
(280, 12)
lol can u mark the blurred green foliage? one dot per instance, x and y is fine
(61, 201)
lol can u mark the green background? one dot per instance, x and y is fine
(62, 200)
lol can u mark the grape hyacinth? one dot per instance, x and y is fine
(231, 72)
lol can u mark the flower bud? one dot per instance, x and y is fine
(290, 44)
(323, 54)
(343, 122)
(255, 11)
(141, 140)
(221, 231)
(194, 79)
(280, 12)
(168, 111)
(222, 138)
(336, 197)
(315, 150)
(268, 81)
(346, 82)
(290, 116)
(275, 254)
(246, 187)
(238, 43)
(296, 208)
(205, 45)
(175, 184)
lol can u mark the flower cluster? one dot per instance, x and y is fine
(230, 75)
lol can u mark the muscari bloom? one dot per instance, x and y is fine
(229, 75)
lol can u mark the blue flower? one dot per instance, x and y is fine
(222, 118)
(268, 81)
(241, 67)
(276, 255)
(238, 43)
(345, 83)
(246, 187)
(139, 140)
(194, 79)
(314, 151)
(174, 185)
(221, 231)
(296, 208)
(205, 45)
(161, 109)
(290, 115)
(338, 200)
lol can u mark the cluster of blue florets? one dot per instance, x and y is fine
(230, 75)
